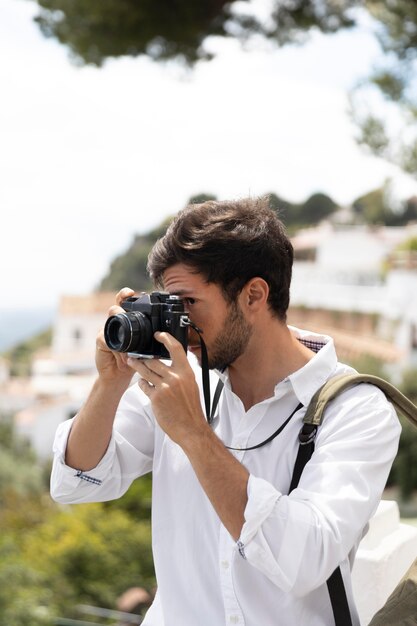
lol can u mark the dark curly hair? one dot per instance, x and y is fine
(229, 243)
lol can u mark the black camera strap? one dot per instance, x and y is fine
(205, 373)
(212, 407)
(271, 437)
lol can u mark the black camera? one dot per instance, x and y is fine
(134, 330)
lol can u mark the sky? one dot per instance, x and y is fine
(90, 157)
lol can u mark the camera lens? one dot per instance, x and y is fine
(128, 332)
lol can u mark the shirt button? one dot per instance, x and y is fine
(234, 619)
(225, 564)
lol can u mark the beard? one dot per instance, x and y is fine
(231, 341)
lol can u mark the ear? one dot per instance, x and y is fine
(254, 295)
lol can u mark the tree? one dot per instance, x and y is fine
(372, 207)
(376, 207)
(95, 31)
(392, 132)
(201, 197)
(316, 208)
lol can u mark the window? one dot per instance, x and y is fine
(77, 336)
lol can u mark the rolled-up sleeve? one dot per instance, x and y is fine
(129, 455)
(298, 540)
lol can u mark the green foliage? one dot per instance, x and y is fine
(408, 245)
(53, 558)
(316, 208)
(396, 26)
(129, 268)
(372, 207)
(410, 210)
(20, 356)
(372, 133)
(375, 207)
(286, 211)
(394, 80)
(404, 468)
(409, 383)
(94, 31)
(368, 364)
(136, 502)
(18, 471)
(90, 554)
(201, 197)
(390, 84)
(81, 554)
(404, 471)
(25, 597)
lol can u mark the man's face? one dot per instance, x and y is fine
(226, 332)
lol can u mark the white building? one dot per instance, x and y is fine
(63, 374)
(67, 367)
(343, 268)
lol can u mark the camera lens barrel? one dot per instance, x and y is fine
(128, 332)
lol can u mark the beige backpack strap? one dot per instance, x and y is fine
(334, 386)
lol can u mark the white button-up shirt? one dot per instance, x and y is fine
(290, 544)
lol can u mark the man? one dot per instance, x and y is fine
(230, 546)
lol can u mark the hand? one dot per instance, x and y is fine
(112, 366)
(172, 390)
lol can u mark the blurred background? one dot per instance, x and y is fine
(115, 115)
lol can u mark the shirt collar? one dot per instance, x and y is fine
(314, 374)
(311, 376)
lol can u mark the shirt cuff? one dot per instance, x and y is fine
(253, 544)
(68, 477)
(262, 498)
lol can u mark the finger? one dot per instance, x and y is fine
(144, 372)
(174, 347)
(100, 341)
(157, 366)
(121, 362)
(124, 293)
(115, 310)
(146, 387)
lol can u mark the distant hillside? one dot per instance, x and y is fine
(19, 325)
(129, 268)
(21, 354)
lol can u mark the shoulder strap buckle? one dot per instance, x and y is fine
(307, 434)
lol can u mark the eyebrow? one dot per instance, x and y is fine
(182, 292)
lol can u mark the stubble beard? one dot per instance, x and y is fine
(232, 340)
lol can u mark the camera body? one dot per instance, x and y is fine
(133, 331)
